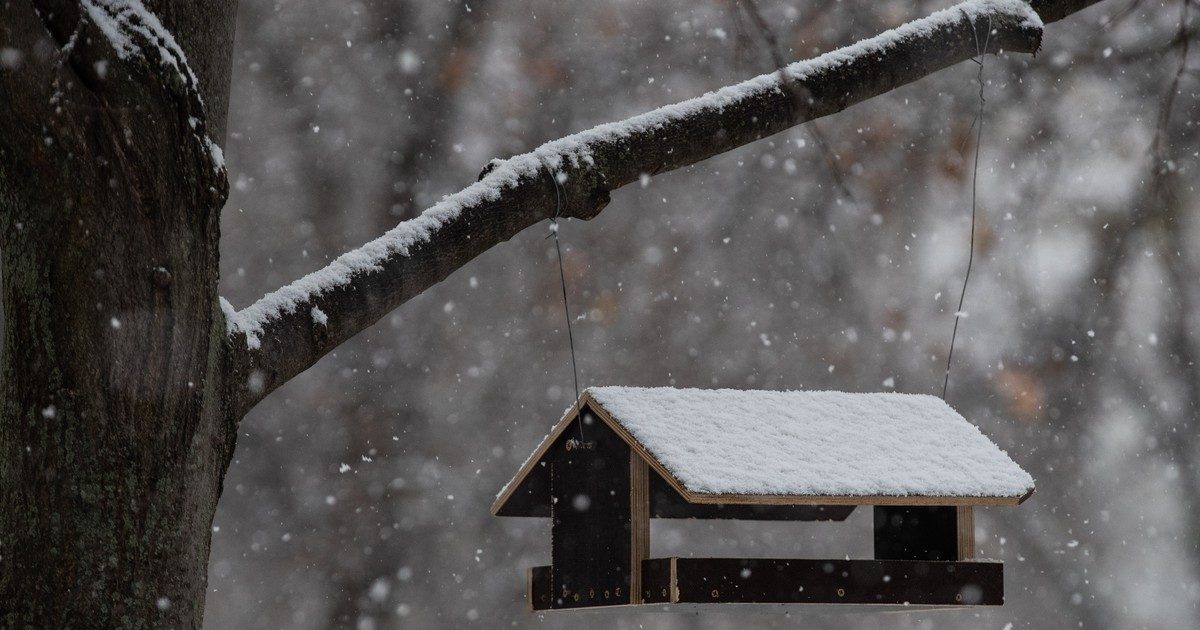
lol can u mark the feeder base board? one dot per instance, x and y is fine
(684, 583)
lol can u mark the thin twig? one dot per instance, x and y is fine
(1160, 134)
(814, 130)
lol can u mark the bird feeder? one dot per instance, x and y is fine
(622, 456)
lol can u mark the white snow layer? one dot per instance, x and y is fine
(576, 150)
(724, 441)
(118, 20)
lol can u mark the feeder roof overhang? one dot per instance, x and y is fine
(756, 447)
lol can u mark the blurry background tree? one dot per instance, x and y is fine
(754, 269)
(815, 259)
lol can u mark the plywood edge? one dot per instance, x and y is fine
(544, 446)
(639, 523)
(864, 499)
(674, 580)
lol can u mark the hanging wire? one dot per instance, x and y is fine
(562, 276)
(974, 195)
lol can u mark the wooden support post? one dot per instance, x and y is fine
(966, 532)
(639, 523)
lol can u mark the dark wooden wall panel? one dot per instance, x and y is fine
(896, 582)
(916, 532)
(590, 513)
(540, 588)
(775, 581)
(657, 580)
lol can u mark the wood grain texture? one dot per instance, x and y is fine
(639, 523)
(966, 532)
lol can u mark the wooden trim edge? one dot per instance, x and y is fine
(639, 523)
(674, 580)
(529, 593)
(873, 499)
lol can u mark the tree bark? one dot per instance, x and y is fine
(115, 425)
(120, 386)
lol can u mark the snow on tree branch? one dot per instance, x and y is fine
(282, 338)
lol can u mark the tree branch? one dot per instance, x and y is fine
(287, 331)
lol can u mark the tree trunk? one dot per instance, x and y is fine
(115, 426)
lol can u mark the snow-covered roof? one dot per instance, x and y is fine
(754, 446)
